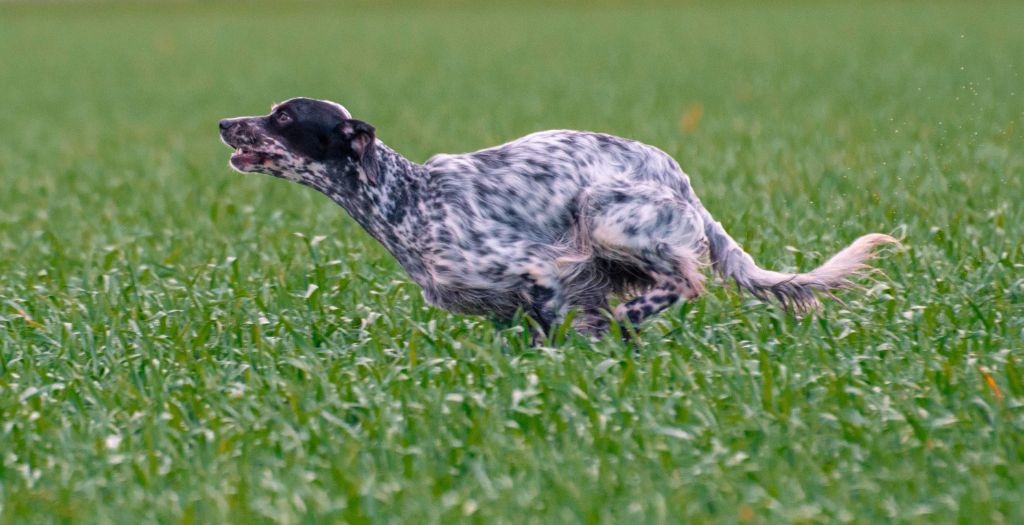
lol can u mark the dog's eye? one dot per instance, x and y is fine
(283, 118)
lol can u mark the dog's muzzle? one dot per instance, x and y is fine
(238, 133)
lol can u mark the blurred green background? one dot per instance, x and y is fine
(181, 343)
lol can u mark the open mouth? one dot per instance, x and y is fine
(247, 160)
(247, 155)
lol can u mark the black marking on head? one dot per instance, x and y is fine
(322, 132)
(310, 128)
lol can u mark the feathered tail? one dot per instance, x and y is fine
(794, 290)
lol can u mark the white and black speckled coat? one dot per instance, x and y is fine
(549, 222)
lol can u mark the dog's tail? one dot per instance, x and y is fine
(795, 291)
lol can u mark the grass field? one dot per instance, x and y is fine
(183, 344)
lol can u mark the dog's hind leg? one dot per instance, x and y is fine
(661, 296)
(651, 229)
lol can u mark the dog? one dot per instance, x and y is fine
(551, 222)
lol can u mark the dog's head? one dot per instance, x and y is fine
(303, 140)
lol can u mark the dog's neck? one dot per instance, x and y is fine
(389, 208)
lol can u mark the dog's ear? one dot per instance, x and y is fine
(359, 138)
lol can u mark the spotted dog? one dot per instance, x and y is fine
(553, 221)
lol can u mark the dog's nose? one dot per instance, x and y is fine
(225, 124)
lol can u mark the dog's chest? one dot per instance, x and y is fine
(483, 270)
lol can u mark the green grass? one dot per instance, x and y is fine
(183, 344)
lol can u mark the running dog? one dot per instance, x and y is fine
(554, 221)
